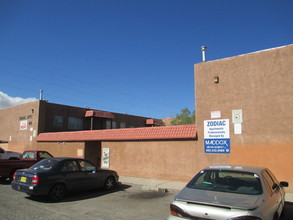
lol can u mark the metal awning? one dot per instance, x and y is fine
(98, 114)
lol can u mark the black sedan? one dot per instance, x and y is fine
(57, 176)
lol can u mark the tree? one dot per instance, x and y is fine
(184, 118)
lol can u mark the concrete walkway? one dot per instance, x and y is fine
(153, 184)
(162, 185)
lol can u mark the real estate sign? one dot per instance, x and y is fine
(217, 136)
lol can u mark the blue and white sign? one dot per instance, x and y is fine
(217, 136)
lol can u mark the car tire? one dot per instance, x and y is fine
(57, 192)
(109, 183)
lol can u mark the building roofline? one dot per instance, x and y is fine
(127, 134)
(254, 52)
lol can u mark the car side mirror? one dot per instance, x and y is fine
(284, 184)
(275, 186)
(94, 169)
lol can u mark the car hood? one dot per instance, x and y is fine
(223, 199)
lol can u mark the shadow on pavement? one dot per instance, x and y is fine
(83, 195)
(5, 182)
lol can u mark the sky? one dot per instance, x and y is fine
(127, 56)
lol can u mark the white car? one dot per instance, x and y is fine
(227, 192)
(9, 155)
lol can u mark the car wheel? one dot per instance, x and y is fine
(57, 192)
(109, 183)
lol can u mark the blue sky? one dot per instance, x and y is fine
(128, 56)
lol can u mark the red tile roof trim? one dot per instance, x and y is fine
(126, 134)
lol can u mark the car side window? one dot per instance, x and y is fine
(28, 155)
(273, 177)
(86, 166)
(44, 155)
(269, 181)
(70, 166)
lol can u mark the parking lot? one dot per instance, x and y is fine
(127, 202)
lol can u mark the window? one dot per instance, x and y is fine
(58, 121)
(108, 124)
(28, 155)
(86, 166)
(75, 123)
(269, 181)
(227, 181)
(114, 124)
(44, 155)
(70, 166)
(122, 125)
(44, 165)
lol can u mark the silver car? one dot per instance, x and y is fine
(231, 193)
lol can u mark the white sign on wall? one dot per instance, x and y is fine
(23, 125)
(217, 136)
(106, 158)
(215, 114)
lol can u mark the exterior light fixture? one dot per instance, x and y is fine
(216, 79)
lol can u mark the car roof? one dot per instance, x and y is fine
(65, 158)
(241, 168)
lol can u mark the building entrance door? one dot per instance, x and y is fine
(93, 152)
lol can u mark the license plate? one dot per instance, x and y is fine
(23, 179)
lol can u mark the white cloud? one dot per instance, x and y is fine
(7, 101)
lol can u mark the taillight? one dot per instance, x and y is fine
(14, 177)
(176, 211)
(35, 180)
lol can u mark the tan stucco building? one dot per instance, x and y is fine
(248, 99)
(21, 124)
(255, 92)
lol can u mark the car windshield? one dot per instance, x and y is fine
(227, 181)
(44, 165)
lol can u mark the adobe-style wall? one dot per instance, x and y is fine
(261, 85)
(63, 149)
(172, 160)
(19, 126)
(276, 156)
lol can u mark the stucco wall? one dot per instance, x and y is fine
(20, 139)
(63, 149)
(261, 85)
(276, 156)
(173, 160)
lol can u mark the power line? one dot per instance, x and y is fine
(85, 82)
(75, 90)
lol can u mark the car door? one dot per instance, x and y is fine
(73, 176)
(90, 174)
